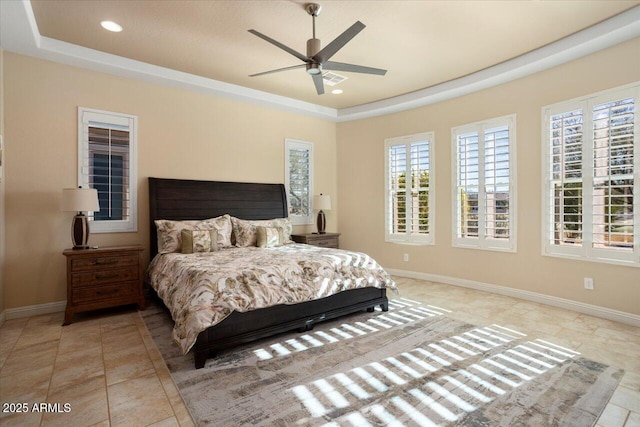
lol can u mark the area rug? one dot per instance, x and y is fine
(413, 365)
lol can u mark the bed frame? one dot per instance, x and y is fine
(178, 199)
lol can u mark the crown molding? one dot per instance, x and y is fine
(615, 30)
(19, 34)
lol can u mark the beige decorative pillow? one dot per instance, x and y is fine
(199, 241)
(222, 225)
(287, 228)
(170, 237)
(169, 234)
(245, 231)
(267, 237)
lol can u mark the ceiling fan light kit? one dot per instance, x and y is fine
(317, 58)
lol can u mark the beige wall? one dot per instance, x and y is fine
(2, 226)
(187, 135)
(361, 184)
(180, 135)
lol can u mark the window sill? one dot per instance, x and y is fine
(409, 242)
(483, 248)
(618, 262)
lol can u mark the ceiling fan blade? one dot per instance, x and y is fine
(317, 80)
(280, 45)
(278, 70)
(341, 66)
(337, 44)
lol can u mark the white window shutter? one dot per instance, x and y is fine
(591, 194)
(409, 179)
(107, 162)
(299, 180)
(484, 202)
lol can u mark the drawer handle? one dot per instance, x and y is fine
(111, 292)
(106, 276)
(106, 262)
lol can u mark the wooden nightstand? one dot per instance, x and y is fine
(105, 277)
(326, 240)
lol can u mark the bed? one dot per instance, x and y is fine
(190, 200)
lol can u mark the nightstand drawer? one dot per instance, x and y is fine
(102, 263)
(96, 293)
(325, 243)
(325, 240)
(104, 276)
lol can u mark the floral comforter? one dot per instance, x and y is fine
(202, 289)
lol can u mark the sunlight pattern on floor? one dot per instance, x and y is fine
(441, 400)
(401, 312)
(398, 370)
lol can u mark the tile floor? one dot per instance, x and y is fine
(106, 366)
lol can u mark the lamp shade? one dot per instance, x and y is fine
(80, 200)
(322, 202)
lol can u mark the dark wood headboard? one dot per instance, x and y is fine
(184, 199)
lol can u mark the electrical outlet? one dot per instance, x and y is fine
(588, 283)
(405, 257)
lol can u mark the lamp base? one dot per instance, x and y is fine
(80, 231)
(322, 223)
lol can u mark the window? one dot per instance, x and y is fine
(107, 162)
(409, 180)
(591, 189)
(299, 180)
(484, 203)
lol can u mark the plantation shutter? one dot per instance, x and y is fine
(420, 187)
(398, 188)
(108, 161)
(497, 169)
(613, 136)
(408, 193)
(299, 167)
(468, 185)
(106, 158)
(566, 163)
(484, 202)
(591, 193)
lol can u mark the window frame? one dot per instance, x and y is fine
(482, 241)
(585, 250)
(407, 237)
(121, 120)
(290, 144)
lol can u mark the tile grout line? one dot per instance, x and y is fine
(104, 365)
(13, 347)
(53, 368)
(144, 342)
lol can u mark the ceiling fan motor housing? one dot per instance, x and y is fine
(313, 47)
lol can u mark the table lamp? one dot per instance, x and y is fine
(80, 200)
(322, 202)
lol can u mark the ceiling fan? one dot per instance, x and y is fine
(317, 59)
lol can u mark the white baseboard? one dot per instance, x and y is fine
(35, 310)
(592, 310)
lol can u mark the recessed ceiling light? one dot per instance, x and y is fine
(111, 26)
(336, 91)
